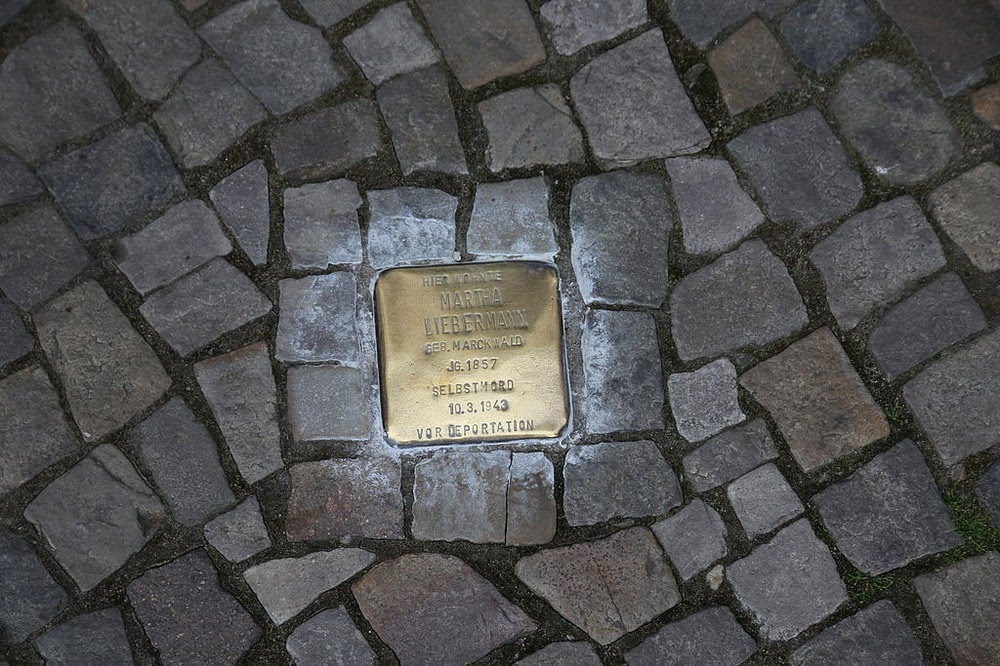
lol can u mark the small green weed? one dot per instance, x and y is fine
(896, 414)
(865, 589)
(973, 522)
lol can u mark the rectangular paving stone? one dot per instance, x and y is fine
(693, 538)
(318, 319)
(511, 219)
(15, 340)
(750, 67)
(97, 637)
(877, 634)
(391, 43)
(711, 637)
(410, 224)
(327, 142)
(459, 495)
(965, 207)
(763, 500)
(17, 183)
(321, 224)
(705, 401)
(327, 402)
(823, 33)
(29, 596)
(241, 198)
(531, 502)
(728, 455)
(702, 20)
(574, 24)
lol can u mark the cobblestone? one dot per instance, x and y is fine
(329, 637)
(728, 455)
(29, 596)
(823, 33)
(702, 20)
(965, 207)
(321, 224)
(410, 224)
(391, 43)
(461, 496)
(239, 533)
(750, 67)
(242, 201)
(17, 182)
(326, 402)
(986, 105)
(711, 637)
(94, 638)
(564, 653)
(15, 340)
(693, 538)
(531, 502)
(318, 320)
(988, 491)
(763, 500)
(329, 12)
(511, 219)
(327, 142)
(574, 24)
(705, 401)
(876, 634)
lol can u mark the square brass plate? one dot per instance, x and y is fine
(471, 352)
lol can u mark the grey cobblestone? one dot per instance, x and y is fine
(711, 637)
(877, 634)
(327, 402)
(988, 491)
(29, 596)
(242, 201)
(511, 219)
(965, 208)
(410, 224)
(391, 43)
(693, 538)
(321, 224)
(728, 455)
(17, 182)
(750, 67)
(94, 638)
(705, 401)
(575, 24)
(564, 653)
(823, 33)
(328, 12)
(327, 142)
(763, 500)
(318, 319)
(15, 340)
(329, 637)
(460, 495)
(239, 533)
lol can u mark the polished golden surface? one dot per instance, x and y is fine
(471, 352)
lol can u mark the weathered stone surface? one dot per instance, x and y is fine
(96, 515)
(391, 43)
(417, 108)
(728, 455)
(118, 178)
(531, 502)
(29, 595)
(329, 637)
(410, 224)
(750, 67)
(240, 532)
(201, 306)
(989, 492)
(108, 371)
(318, 319)
(50, 92)
(10, 8)
(328, 12)
(955, 399)
(823, 33)
(702, 20)
(900, 131)
(511, 219)
(619, 351)
(744, 298)
(239, 387)
(693, 538)
(286, 586)
(185, 611)
(711, 637)
(963, 602)
(816, 397)
(331, 499)
(763, 500)
(565, 653)
(94, 638)
(17, 182)
(321, 224)
(206, 113)
(651, 115)
(930, 320)
(986, 105)
(607, 587)
(181, 240)
(782, 157)
(607, 209)
(617, 480)
(877, 634)
(965, 207)
(574, 24)
(789, 584)
(416, 602)
(530, 127)
(283, 62)
(15, 341)
(483, 40)
(242, 201)
(327, 142)
(38, 257)
(460, 495)
(705, 402)
(327, 402)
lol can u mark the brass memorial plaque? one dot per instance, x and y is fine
(471, 352)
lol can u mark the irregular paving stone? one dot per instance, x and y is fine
(17, 183)
(954, 39)
(180, 454)
(963, 602)
(705, 401)
(418, 110)
(15, 340)
(711, 637)
(10, 8)
(955, 399)
(283, 62)
(96, 515)
(933, 318)
(874, 257)
(113, 181)
(823, 33)
(327, 142)
(965, 207)
(744, 298)
(715, 212)
(607, 587)
(782, 156)
(38, 257)
(331, 499)
(623, 384)
(181, 240)
(201, 306)
(329, 637)
(817, 399)
(877, 634)
(511, 219)
(321, 224)
(789, 583)
(94, 638)
(108, 371)
(728, 455)
(565, 653)
(989, 492)
(239, 387)
(327, 402)
(391, 43)
(51, 91)
(328, 12)
(206, 113)
(574, 24)
(693, 538)
(410, 224)
(185, 611)
(318, 320)
(530, 127)
(902, 134)
(242, 201)
(604, 210)
(286, 586)
(531, 502)
(750, 67)
(702, 20)
(652, 115)
(617, 480)
(483, 40)
(415, 603)
(763, 500)
(29, 595)
(459, 495)
(239, 533)
(986, 105)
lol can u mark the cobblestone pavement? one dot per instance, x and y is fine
(777, 227)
